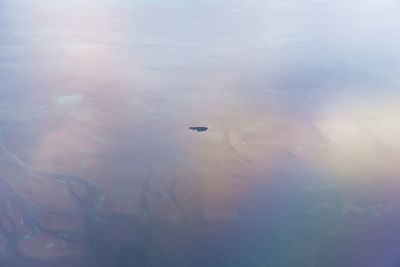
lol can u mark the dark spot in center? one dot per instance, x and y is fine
(199, 129)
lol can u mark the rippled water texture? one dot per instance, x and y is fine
(199, 133)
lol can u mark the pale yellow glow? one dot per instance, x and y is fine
(362, 137)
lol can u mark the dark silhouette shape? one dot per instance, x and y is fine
(199, 129)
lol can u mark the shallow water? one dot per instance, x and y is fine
(297, 167)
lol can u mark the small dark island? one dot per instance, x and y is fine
(199, 129)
